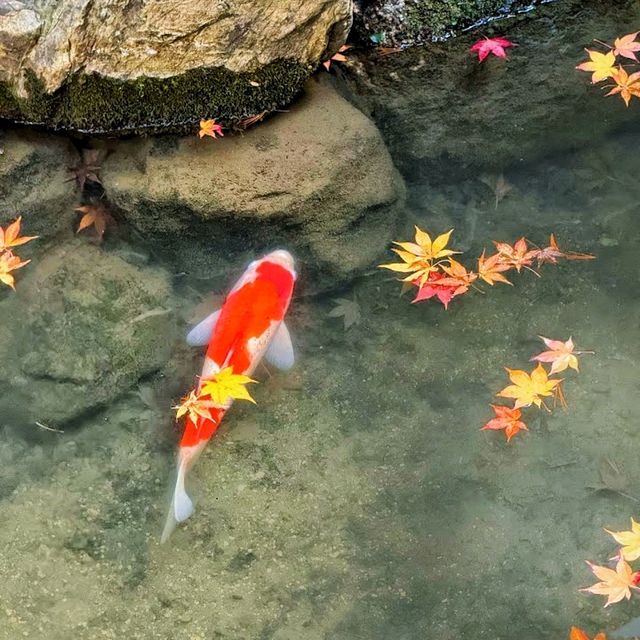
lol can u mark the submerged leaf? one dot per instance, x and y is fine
(348, 310)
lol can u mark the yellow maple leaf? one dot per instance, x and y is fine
(210, 128)
(225, 386)
(194, 405)
(418, 257)
(600, 64)
(529, 389)
(616, 585)
(630, 541)
(9, 263)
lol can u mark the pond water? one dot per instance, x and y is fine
(359, 500)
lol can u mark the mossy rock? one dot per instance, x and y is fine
(96, 104)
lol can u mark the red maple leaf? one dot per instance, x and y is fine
(507, 419)
(496, 46)
(444, 292)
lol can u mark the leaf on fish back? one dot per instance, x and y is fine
(348, 310)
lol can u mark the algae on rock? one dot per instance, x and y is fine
(122, 65)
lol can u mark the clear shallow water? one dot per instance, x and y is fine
(359, 500)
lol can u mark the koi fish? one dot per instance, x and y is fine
(248, 327)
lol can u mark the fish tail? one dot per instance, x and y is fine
(181, 506)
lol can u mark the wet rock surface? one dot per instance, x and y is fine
(437, 105)
(83, 327)
(317, 180)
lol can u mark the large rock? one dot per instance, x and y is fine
(318, 180)
(410, 22)
(82, 328)
(35, 184)
(123, 64)
(438, 107)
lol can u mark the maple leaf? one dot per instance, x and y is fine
(490, 269)
(616, 585)
(496, 46)
(579, 634)
(551, 253)
(630, 541)
(95, 215)
(225, 386)
(8, 263)
(600, 64)
(518, 255)
(348, 310)
(560, 354)
(418, 256)
(626, 85)
(434, 288)
(458, 276)
(528, 389)
(194, 405)
(337, 57)
(507, 419)
(626, 46)
(210, 128)
(88, 168)
(10, 237)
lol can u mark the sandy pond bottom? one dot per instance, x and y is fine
(359, 500)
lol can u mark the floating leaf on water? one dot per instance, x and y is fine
(348, 310)
(612, 476)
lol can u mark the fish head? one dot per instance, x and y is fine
(283, 258)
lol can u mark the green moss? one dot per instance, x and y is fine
(95, 104)
(439, 17)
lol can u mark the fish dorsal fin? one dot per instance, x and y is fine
(200, 335)
(280, 351)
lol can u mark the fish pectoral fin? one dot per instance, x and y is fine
(280, 351)
(200, 335)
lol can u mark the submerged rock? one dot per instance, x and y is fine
(118, 65)
(82, 328)
(317, 179)
(34, 182)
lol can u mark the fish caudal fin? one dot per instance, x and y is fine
(181, 505)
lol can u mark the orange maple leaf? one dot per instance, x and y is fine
(210, 128)
(553, 252)
(579, 634)
(616, 585)
(507, 419)
(10, 237)
(626, 46)
(528, 389)
(518, 255)
(8, 263)
(195, 406)
(626, 85)
(457, 276)
(95, 215)
(490, 269)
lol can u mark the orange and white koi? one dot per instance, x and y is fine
(249, 326)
